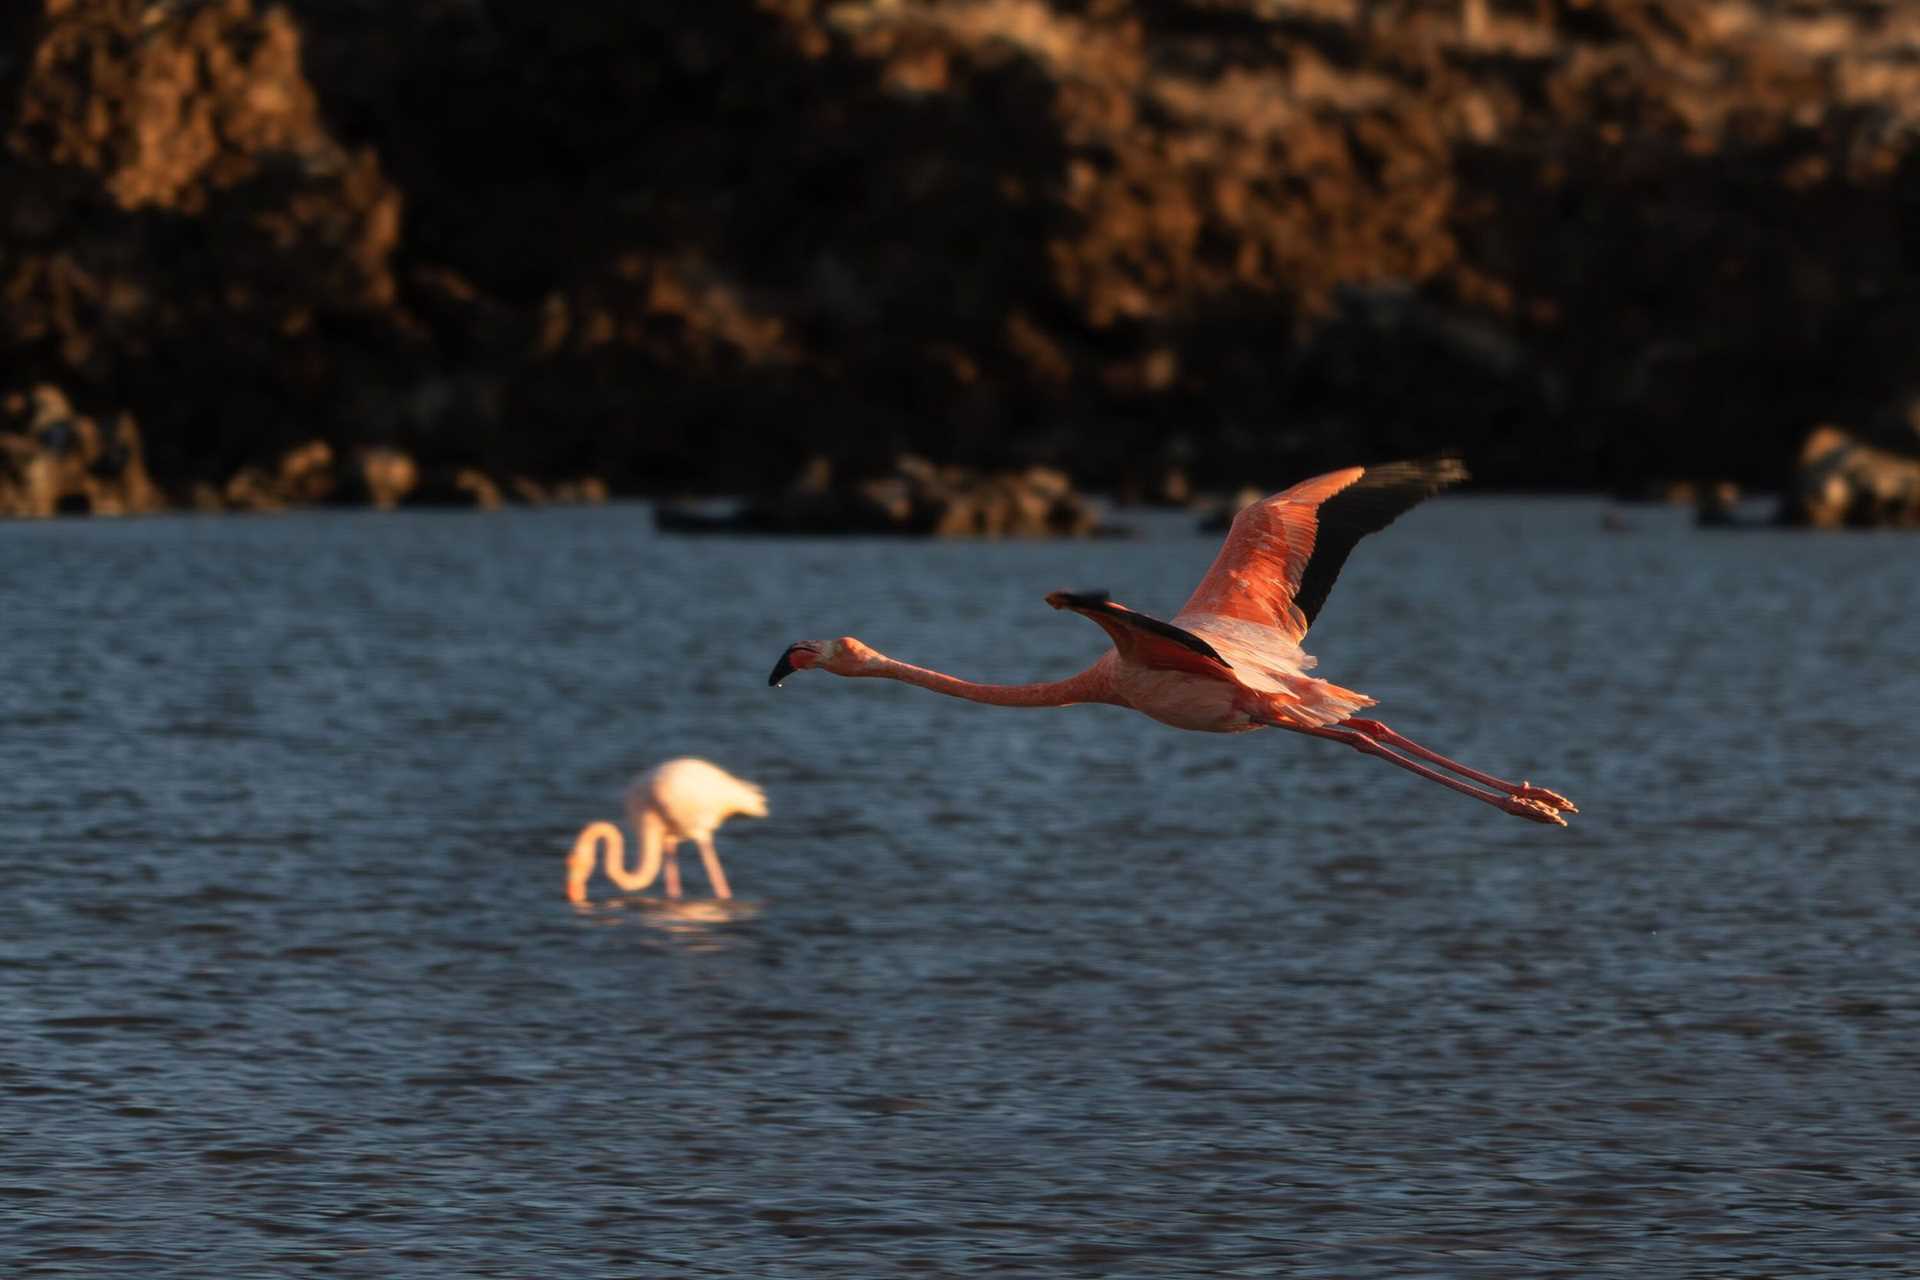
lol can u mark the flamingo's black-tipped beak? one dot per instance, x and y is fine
(783, 668)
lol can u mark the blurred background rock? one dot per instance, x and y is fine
(485, 251)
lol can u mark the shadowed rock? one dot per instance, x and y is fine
(457, 487)
(917, 498)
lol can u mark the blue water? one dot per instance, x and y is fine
(291, 986)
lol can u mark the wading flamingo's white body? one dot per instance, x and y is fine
(683, 799)
(1231, 661)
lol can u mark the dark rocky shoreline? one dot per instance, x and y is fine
(55, 461)
(506, 246)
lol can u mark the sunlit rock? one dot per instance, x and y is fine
(54, 460)
(1840, 481)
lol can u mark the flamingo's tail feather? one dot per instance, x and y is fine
(1315, 703)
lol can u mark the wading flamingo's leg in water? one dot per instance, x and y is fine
(1400, 742)
(1518, 806)
(670, 866)
(716, 878)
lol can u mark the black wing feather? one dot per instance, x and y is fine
(1101, 602)
(1366, 506)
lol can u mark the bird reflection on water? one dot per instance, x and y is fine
(697, 924)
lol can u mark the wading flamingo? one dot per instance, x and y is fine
(683, 799)
(1231, 661)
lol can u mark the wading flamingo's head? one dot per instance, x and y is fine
(579, 871)
(753, 802)
(844, 657)
(586, 851)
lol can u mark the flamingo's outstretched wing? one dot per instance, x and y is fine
(1142, 639)
(1283, 553)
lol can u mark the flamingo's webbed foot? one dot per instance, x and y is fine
(1538, 811)
(1552, 799)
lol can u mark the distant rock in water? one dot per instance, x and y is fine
(1843, 482)
(1717, 505)
(305, 475)
(1220, 518)
(458, 487)
(1661, 490)
(54, 461)
(916, 498)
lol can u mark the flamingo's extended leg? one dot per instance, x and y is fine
(715, 876)
(670, 867)
(1518, 806)
(1400, 742)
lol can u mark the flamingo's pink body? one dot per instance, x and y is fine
(1231, 661)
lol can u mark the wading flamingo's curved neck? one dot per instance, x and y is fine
(651, 833)
(598, 835)
(1095, 684)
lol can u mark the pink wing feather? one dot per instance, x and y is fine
(1283, 553)
(1245, 621)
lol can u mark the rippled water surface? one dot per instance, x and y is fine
(291, 985)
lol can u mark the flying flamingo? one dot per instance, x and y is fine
(683, 799)
(1231, 661)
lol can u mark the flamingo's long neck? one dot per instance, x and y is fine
(1095, 684)
(650, 831)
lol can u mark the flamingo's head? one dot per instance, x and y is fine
(586, 851)
(844, 657)
(753, 802)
